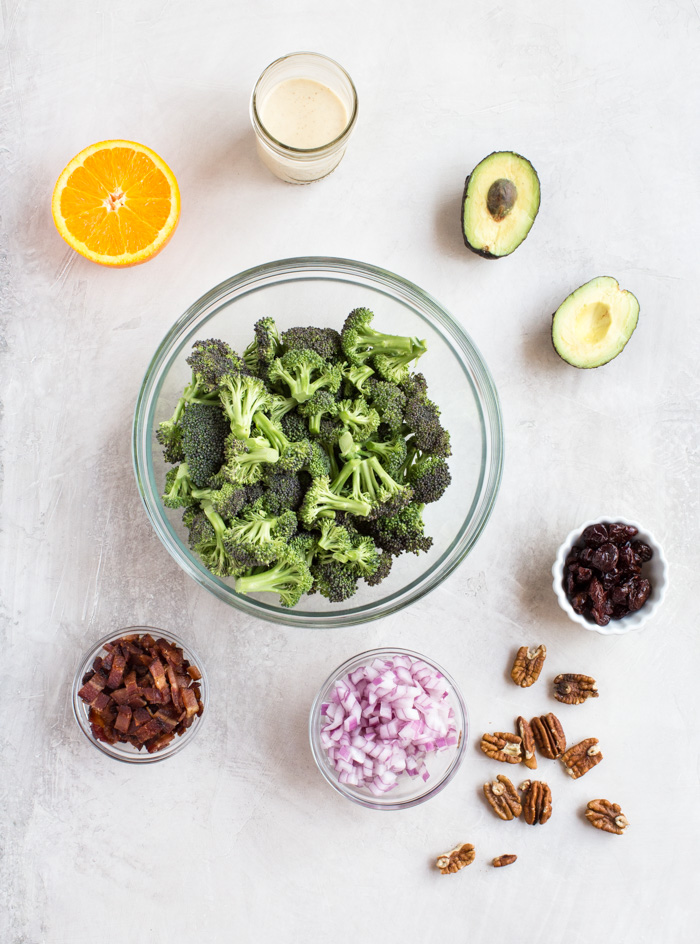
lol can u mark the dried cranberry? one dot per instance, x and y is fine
(620, 593)
(582, 574)
(586, 555)
(595, 535)
(578, 602)
(596, 592)
(643, 551)
(619, 612)
(569, 585)
(629, 561)
(605, 558)
(573, 555)
(619, 533)
(639, 593)
(611, 579)
(600, 616)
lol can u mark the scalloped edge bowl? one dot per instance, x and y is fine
(656, 570)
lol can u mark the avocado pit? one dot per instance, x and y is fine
(501, 198)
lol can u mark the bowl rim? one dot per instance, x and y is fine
(369, 801)
(453, 335)
(634, 621)
(80, 708)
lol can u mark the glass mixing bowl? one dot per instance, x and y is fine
(322, 291)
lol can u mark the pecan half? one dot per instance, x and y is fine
(579, 759)
(528, 742)
(502, 860)
(503, 747)
(503, 798)
(606, 815)
(537, 802)
(528, 665)
(457, 859)
(549, 736)
(572, 689)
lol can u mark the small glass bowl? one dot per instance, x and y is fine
(655, 570)
(127, 752)
(409, 791)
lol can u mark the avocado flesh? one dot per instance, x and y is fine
(594, 323)
(500, 203)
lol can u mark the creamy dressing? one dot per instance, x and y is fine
(303, 113)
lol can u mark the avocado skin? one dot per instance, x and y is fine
(482, 252)
(578, 366)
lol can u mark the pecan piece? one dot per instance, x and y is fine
(502, 860)
(549, 735)
(606, 815)
(528, 742)
(503, 798)
(572, 689)
(528, 665)
(537, 802)
(579, 759)
(503, 747)
(457, 859)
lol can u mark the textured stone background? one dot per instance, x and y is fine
(239, 838)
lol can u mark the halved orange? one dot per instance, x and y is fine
(116, 203)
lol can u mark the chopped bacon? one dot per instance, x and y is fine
(142, 692)
(117, 672)
(123, 719)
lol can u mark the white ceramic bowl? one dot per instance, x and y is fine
(656, 571)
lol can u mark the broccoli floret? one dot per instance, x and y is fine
(303, 373)
(389, 401)
(363, 558)
(321, 404)
(358, 418)
(401, 533)
(358, 375)
(278, 407)
(335, 539)
(319, 462)
(246, 459)
(333, 579)
(210, 545)
(204, 431)
(369, 479)
(290, 578)
(422, 418)
(392, 454)
(392, 367)
(293, 456)
(294, 426)
(361, 342)
(213, 360)
(323, 341)
(304, 542)
(382, 571)
(283, 492)
(231, 500)
(169, 432)
(178, 487)
(429, 477)
(320, 502)
(264, 347)
(258, 538)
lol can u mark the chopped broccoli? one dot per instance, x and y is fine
(391, 454)
(283, 492)
(294, 426)
(423, 420)
(246, 459)
(213, 360)
(290, 578)
(204, 431)
(401, 533)
(231, 500)
(321, 404)
(323, 341)
(303, 373)
(368, 478)
(389, 401)
(333, 579)
(264, 347)
(429, 477)
(361, 342)
(382, 571)
(178, 487)
(321, 502)
(169, 432)
(210, 545)
(358, 375)
(258, 538)
(293, 456)
(359, 419)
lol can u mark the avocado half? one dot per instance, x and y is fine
(594, 323)
(500, 203)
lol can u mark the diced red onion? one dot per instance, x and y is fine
(384, 719)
